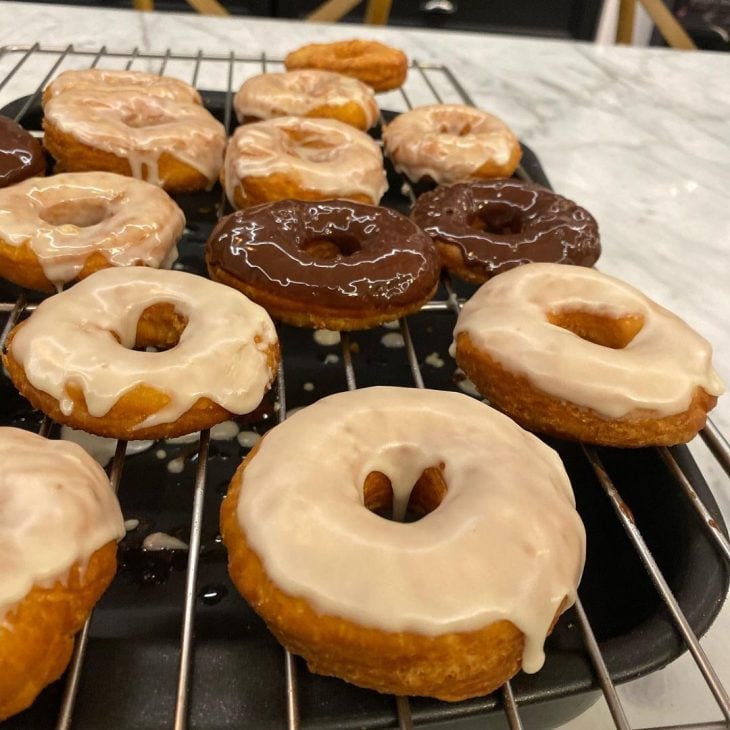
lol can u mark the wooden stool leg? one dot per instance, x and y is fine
(625, 26)
(378, 12)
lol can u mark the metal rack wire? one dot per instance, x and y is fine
(438, 82)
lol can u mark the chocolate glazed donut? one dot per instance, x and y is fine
(21, 154)
(334, 263)
(484, 228)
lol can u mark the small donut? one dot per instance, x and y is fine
(448, 143)
(450, 606)
(375, 64)
(305, 159)
(94, 79)
(307, 93)
(73, 358)
(570, 352)
(333, 264)
(486, 227)
(61, 228)
(58, 532)
(176, 145)
(21, 154)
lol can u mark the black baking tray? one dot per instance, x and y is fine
(130, 671)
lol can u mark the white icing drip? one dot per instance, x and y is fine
(131, 524)
(297, 93)
(326, 338)
(101, 449)
(176, 465)
(188, 438)
(324, 155)
(464, 384)
(226, 431)
(658, 370)
(221, 355)
(505, 543)
(392, 340)
(65, 218)
(163, 541)
(160, 454)
(434, 360)
(57, 509)
(430, 141)
(93, 79)
(331, 359)
(139, 128)
(247, 439)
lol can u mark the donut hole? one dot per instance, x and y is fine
(141, 119)
(309, 146)
(80, 213)
(326, 248)
(426, 495)
(159, 328)
(600, 329)
(498, 218)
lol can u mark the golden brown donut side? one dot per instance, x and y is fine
(37, 637)
(379, 66)
(318, 317)
(71, 155)
(20, 265)
(159, 326)
(349, 113)
(451, 667)
(279, 186)
(537, 411)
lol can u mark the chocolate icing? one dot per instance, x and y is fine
(499, 224)
(21, 154)
(333, 253)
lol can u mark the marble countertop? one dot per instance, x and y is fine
(640, 137)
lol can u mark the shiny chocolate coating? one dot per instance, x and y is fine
(502, 223)
(21, 154)
(334, 253)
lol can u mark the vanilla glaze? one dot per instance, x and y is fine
(659, 370)
(222, 353)
(447, 142)
(57, 510)
(65, 218)
(300, 93)
(505, 542)
(139, 127)
(321, 155)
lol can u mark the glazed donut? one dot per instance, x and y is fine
(58, 532)
(58, 229)
(95, 79)
(375, 64)
(571, 352)
(333, 264)
(486, 227)
(21, 154)
(304, 159)
(176, 145)
(306, 93)
(448, 143)
(450, 606)
(73, 358)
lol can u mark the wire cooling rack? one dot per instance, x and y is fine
(25, 70)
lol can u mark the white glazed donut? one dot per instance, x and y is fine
(505, 544)
(94, 79)
(73, 357)
(613, 366)
(303, 159)
(56, 229)
(177, 145)
(451, 143)
(59, 524)
(307, 93)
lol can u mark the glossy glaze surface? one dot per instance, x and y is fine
(332, 253)
(500, 224)
(21, 154)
